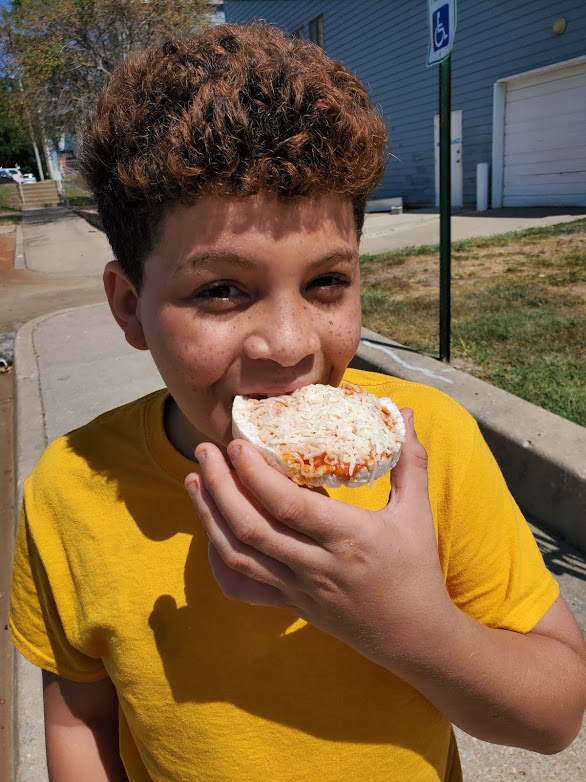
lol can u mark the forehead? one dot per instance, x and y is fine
(255, 225)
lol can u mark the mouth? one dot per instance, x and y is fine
(257, 395)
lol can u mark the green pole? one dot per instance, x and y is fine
(445, 205)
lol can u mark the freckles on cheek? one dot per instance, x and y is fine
(345, 338)
(204, 360)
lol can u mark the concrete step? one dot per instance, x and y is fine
(45, 183)
(42, 199)
(48, 195)
(43, 205)
(32, 190)
(40, 195)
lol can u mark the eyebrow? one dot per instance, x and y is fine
(249, 263)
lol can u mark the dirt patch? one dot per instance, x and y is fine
(7, 246)
(558, 259)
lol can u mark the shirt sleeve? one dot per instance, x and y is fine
(496, 572)
(34, 623)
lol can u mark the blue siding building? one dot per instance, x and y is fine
(518, 89)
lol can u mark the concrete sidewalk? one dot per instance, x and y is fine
(57, 242)
(383, 232)
(72, 365)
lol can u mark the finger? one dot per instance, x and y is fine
(313, 515)
(409, 476)
(237, 586)
(250, 522)
(237, 556)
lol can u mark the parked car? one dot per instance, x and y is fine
(5, 178)
(28, 178)
(14, 172)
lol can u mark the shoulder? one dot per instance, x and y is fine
(437, 415)
(97, 447)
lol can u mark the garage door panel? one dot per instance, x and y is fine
(546, 141)
(553, 171)
(544, 154)
(561, 104)
(545, 79)
(566, 127)
(562, 188)
(555, 130)
(519, 93)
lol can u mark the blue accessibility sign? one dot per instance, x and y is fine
(442, 29)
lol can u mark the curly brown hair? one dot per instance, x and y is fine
(237, 110)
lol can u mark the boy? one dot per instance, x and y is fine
(231, 173)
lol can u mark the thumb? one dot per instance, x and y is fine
(409, 476)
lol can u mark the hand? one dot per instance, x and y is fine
(372, 579)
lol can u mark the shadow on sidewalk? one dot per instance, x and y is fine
(561, 558)
(45, 216)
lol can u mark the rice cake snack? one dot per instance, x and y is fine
(322, 435)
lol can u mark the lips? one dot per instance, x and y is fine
(278, 391)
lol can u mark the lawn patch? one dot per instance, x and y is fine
(518, 310)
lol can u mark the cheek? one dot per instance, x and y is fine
(192, 350)
(345, 331)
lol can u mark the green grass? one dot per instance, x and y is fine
(523, 330)
(6, 202)
(78, 196)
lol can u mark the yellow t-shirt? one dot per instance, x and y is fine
(111, 578)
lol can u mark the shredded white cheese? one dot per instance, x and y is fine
(321, 430)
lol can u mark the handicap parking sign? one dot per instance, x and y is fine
(442, 27)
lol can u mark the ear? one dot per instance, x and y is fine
(123, 301)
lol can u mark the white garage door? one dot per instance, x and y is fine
(544, 161)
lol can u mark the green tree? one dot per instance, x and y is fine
(60, 53)
(15, 142)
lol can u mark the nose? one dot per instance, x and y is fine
(285, 332)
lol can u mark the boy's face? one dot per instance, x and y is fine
(248, 296)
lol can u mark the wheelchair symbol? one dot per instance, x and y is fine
(440, 36)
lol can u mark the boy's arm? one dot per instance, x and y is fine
(374, 581)
(505, 687)
(81, 730)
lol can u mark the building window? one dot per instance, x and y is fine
(316, 31)
(298, 33)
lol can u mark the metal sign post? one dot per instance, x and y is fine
(442, 29)
(445, 208)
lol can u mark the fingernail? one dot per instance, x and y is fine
(234, 452)
(201, 456)
(192, 487)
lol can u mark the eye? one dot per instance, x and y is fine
(219, 291)
(328, 287)
(327, 280)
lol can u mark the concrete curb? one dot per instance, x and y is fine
(91, 215)
(542, 456)
(30, 441)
